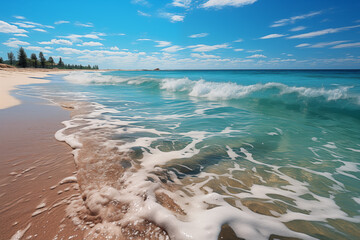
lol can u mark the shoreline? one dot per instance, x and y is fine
(10, 78)
(34, 164)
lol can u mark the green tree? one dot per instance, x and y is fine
(51, 61)
(1, 60)
(42, 60)
(61, 63)
(22, 58)
(11, 58)
(34, 61)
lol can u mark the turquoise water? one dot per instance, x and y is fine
(268, 153)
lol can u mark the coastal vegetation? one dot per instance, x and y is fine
(39, 61)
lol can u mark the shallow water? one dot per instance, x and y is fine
(182, 153)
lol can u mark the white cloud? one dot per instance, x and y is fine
(274, 35)
(19, 17)
(199, 35)
(140, 2)
(323, 32)
(61, 22)
(37, 24)
(347, 45)
(24, 25)
(15, 43)
(143, 39)
(293, 19)
(223, 3)
(181, 3)
(91, 44)
(257, 56)
(299, 28)
(172, 49)
(39, 30)
(173, 17)
(303, 45)
(57, 41)
(254, 51)
(326, 44)
(177, 18)
(207, 48)
(76, 37)
(162, 43)
(84, 24)
(39, 49)
(69, 51)
(8, 28)
(114, 48)
(143, 14)
(239, 40)
(238, 49)
(20, 35)
(203, 55)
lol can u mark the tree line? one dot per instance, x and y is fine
(40, 61)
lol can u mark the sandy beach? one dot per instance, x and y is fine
(33, 163)
(12, 77)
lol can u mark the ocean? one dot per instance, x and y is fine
(191, 154)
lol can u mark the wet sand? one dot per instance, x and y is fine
(32, 164)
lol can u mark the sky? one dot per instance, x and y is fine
(186, 34)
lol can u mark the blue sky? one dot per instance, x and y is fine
(186, 34)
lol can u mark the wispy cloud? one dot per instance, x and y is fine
(57, 41)
(144, 39)
(172, 49)
(173, 17)
(39, 49)
(143, 14)
(8, 28)
(238, 49)
(38, 24)
(224, 3)
(303, 45)
(24, 25)
(15, 43)
(323, 32)
(257, 56)
(203, 55)
(274, 35)
(61, 22)
(140, 2)
(326, 44)
(181, 3)
(20, 35)
(162, 43)
(293, 19)
(115, 48)
(39, 30)
(177, 18)
(76, 37)
(254, 51)
(19, 17)
(239, 40)
(199, 35)
(299, 28)
(207, 48)
(91, 44)
(89, 25)
(347, 45)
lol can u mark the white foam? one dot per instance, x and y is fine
(20, 233)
